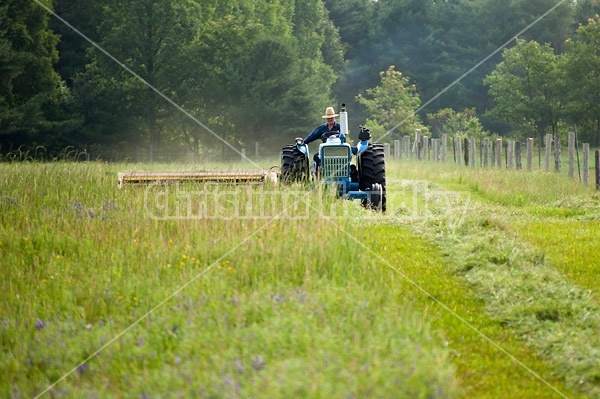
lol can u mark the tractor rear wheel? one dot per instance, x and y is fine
(371, 174)
(294, 165)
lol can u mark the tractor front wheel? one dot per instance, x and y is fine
(294, 165)
(371, 174)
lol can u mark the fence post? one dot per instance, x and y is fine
(529, 153)
(386, 150)
(485, 151)
(256, 153)
(557, 152)
(459, 154)
(397, 150)
(518, 155)
(425, 148)
(417, 144)
(406, 146)
(586, 163)
(499, 153)
(473, 152)
(244, 154)
(510, 153)
(548, 149)
(597, 169)
(466, 146)
(444, 147)
(571, 154)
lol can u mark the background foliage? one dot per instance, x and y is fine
(258, 70)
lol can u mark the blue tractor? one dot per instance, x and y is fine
(364, 179)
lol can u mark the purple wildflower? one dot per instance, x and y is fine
(258, 363)
(39, 324)
(239, 366)
(82, 368)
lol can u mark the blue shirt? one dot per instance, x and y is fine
(318, 132)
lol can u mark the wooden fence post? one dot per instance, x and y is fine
(557, 152)
(597, 169)
(417, 144)
(548, 150)
(397, 150)
(529, 153)
(386, 150)
(485, 151)
(571, 154)
(473, 152)
(406, 146)
(459, 155)
(499, 153)
(586, 163)
(518, 159)
(425, 148)
(466, 152)
(510, 154)
(435, 144)
(444, 147)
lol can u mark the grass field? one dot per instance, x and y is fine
(475, 284)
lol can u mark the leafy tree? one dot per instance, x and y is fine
(391, 105)
(586, 9)
(354, 19)
(34, 103)
(86, 17)
(553, 29)
(527, 88)
(448, 121)
(246, 70)
(147, 37)
(582, 65)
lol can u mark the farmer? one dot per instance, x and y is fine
(326, 129)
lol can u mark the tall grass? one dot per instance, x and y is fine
(104, 297)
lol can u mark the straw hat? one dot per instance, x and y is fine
(329, 113)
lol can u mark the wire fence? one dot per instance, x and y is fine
(501, 153)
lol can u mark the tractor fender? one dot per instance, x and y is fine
(362, 145)
(301, 146)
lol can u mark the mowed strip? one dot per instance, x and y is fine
(484, 371)
(571, 246)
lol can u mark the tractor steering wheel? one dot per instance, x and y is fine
(326, 135)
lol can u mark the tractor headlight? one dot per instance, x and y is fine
(299, 141)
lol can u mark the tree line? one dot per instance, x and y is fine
(151, 79)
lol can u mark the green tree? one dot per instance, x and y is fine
(586, 9)
(86, 17)
(247, 70)
(582, 66)
(34, 103)
(527, 88)
(448, 121)
(391, 106)
(147, 37)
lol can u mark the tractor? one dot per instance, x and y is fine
(364, 180)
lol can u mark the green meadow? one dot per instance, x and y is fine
(476, 283)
